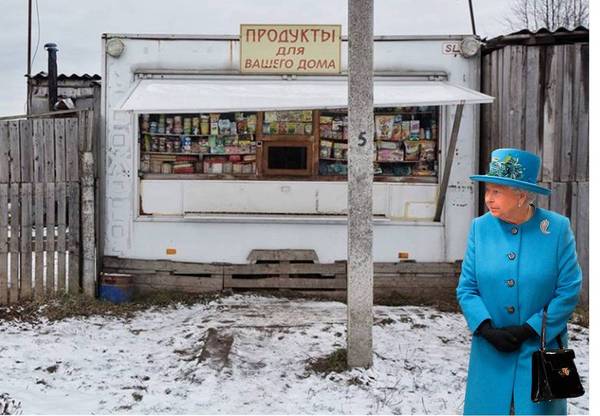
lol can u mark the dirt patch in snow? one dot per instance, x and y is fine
(334, 362)
(217, 346)
(59, 307)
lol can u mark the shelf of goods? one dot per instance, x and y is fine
(198, 143)
(405, 143)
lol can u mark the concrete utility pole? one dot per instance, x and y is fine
(360, 183)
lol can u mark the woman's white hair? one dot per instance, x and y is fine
(529, 196)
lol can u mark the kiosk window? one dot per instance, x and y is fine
(287, 157)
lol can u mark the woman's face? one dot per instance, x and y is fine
(502, 201)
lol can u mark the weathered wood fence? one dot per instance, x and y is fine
(46, 207)
(542, 99)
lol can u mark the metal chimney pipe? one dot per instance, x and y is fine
(52, 75)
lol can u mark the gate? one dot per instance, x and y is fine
(47, 236)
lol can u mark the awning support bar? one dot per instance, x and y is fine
(449, 160)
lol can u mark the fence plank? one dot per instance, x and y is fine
(541, 200)
(582, 138)
(15, 151)
(26, 246)
(59, 150)
(558, 79)
(3, 242)
(566, 143)
(505, 97)
(549, 123)
(74, 285)
(72, 149)
(48, 143)
(38, 289)
(38, 150)
(558, 198)
(515, 93)
(4, 152)
(532, 100)
(25, 135)
(15, 230)
(582, 235)
(61, 247)
(50, 233)
(494, 88)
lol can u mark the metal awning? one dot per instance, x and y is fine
(255, 94)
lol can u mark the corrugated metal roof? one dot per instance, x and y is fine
(543, 36)
(85, 77)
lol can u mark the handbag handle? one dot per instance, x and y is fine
(543, 337)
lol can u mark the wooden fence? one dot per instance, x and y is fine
(542, 99)
(46, 207)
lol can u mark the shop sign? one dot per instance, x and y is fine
(290, 49)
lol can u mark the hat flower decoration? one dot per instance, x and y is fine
(515, 168)
(509, 167)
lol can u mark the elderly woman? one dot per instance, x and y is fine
(519, 259)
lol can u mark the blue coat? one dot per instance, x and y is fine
(509, 273)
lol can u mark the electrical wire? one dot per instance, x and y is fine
(37, 12)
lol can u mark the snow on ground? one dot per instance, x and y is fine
(242, 354)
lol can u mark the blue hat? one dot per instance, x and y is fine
(515, 168)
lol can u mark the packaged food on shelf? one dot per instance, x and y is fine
(325, 119)
(224, 127)
(177, 125)
(251, 123)
(307, 115)
(428, 152)
(383, 127)
(423, 169)
(204, 124)
(415, 126)
(169, 125)
(325, 131)
(145, 125)
(405, 130)
(397, 128)
(388, 145)
(187, 125)
(166, 168)
(145, 163)
(337, 124)
(387, 155)
(325, 149)
(195, 126)
(340, 151)
(411, 150)
(161, 124)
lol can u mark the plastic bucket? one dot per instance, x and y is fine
(116, 288)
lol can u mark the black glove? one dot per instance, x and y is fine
(521, 332)
(501, 339)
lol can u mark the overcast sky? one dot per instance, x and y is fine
(76, 26)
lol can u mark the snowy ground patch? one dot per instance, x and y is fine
(242, 354)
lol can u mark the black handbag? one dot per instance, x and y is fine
(554, 375)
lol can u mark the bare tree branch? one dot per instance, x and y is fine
(549, 14)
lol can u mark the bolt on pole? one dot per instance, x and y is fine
(360, 183)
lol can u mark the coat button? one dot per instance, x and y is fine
(511, 256)
(510, 309)
(514, 230)
(510, 283)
